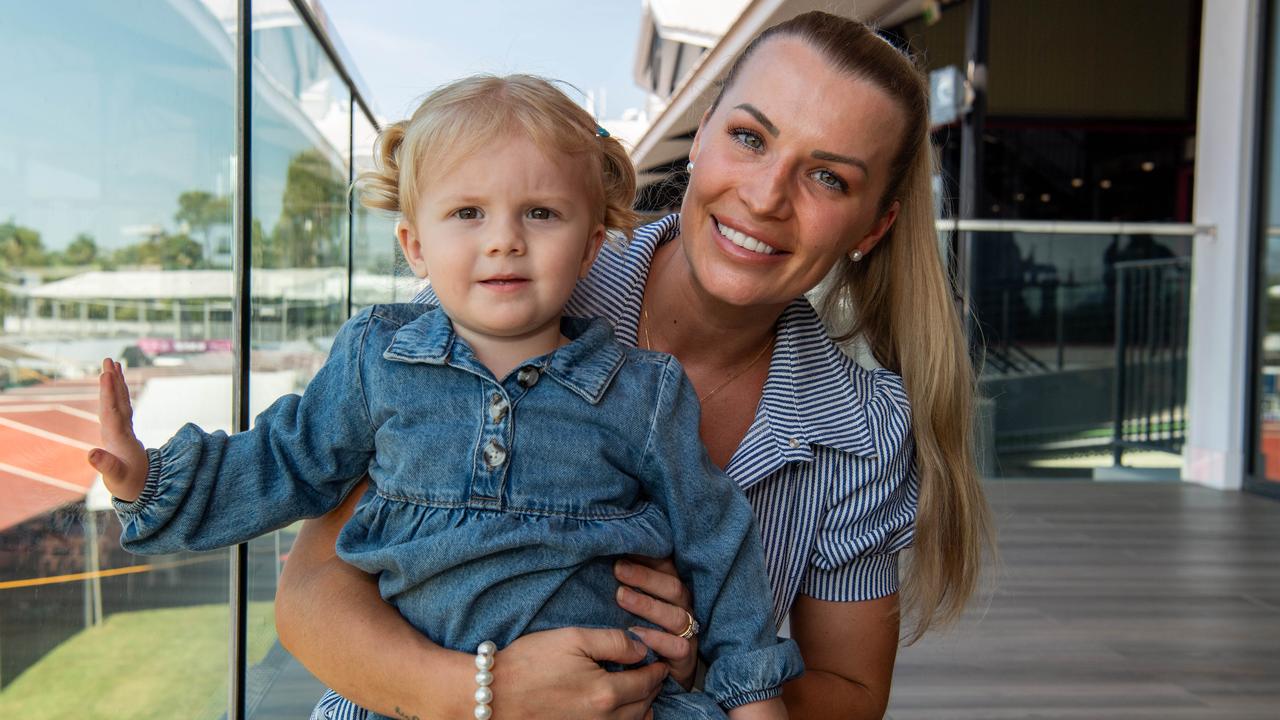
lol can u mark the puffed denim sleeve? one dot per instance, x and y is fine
(300, 459)
(872, 518)
(718, 552)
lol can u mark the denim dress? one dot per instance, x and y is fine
(497, 506)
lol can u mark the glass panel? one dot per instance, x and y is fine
(1045, 307)
(1268, 470)
(301, 129)
(378, 273)
(115, 225)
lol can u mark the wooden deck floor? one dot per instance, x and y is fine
(1112, 600)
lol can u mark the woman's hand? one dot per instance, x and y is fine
(652, 590)
(332, 618)
(555, 674)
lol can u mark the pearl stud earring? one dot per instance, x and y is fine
(856, 255)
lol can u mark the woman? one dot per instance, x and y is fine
(813, 163)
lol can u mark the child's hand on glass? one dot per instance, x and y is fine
(122, 460)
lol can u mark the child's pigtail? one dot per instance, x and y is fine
(380, 187)
(620, 218)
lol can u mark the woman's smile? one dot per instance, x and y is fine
(756, 245)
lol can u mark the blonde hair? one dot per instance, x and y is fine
(460, 117)
(899, 299)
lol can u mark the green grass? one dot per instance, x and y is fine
(148, 665)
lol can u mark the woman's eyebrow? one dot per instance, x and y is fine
(760, 118)
(832, 157)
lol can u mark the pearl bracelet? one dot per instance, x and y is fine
(484, 678)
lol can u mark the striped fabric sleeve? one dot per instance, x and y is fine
(870, 517)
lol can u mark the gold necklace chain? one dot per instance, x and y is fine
(648, 345)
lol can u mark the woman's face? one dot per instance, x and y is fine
(788, 176)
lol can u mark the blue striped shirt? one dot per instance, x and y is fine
(827, 464)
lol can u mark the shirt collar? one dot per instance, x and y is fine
(810, 396)
(586, 366)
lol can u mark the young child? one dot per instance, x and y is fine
(513, 453)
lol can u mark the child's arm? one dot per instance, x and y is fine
(771, 709)
(718, 553)
(206, 490)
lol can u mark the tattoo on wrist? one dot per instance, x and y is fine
(404, 715)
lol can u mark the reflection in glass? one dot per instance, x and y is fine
(379, 275)
(1045, 308)
(115, 226)
(1269, 301)
(301, 125)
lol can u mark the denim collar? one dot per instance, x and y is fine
(586, 366)
(810, 395)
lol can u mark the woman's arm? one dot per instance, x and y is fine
(331, 617)
(849, 650)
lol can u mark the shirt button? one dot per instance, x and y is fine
(528, 376)
(793, 442)
(497, 408)
(494, 454)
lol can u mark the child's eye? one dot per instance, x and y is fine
(747, 138)
(467, 213)
(541, 213)
(831, 180)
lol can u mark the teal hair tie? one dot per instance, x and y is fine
(601, 132)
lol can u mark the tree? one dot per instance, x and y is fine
(170, 252)
(313, 211)
(20, 246)
(82, 251)
(200, 212)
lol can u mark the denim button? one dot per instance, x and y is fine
(528, 376)
(497, 408)
(494, 454)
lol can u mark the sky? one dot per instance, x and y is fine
(404, 48)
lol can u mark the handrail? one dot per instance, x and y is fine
(111, 572)
(1075, 227)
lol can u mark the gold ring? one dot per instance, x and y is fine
(691, 629)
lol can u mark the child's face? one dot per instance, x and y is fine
(504, 236)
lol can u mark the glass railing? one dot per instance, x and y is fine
(117, 190)
(1047, 306)
(115, 222)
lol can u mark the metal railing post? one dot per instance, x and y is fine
(1117, 433)
(241, 323)
(1059, 331)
